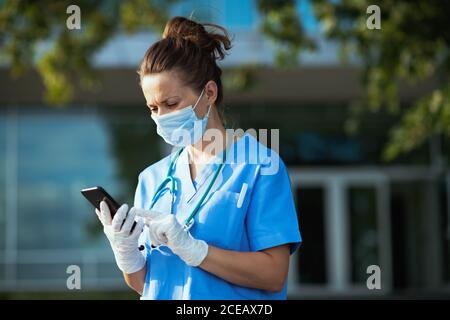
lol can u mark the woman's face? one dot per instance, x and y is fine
(164, 93)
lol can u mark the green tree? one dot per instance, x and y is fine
(281, 23)
(413, 45)
(35, 33)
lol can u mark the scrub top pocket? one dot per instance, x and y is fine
(221, 220)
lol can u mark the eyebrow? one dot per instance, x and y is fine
(163, 101)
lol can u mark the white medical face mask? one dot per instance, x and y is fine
(182, 127)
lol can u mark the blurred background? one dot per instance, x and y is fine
(363, 113)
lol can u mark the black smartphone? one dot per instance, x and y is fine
(96, 194)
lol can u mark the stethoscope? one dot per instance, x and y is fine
(189, 221)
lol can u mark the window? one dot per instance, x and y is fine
(2, 182)
(364, 231)
(311, 255)
(2, 193)
(55, 154)
(444, 198)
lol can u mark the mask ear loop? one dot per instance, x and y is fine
(201, 94)
(195, 106)
(209, 109)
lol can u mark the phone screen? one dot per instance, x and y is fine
(97, 194)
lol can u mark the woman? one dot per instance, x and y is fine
(228, 229)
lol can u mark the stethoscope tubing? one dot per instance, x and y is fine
(170, 179)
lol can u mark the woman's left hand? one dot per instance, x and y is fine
(168, 231)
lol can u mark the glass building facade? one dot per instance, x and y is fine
(354, 210)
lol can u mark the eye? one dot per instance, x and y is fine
(153, 109)
(171, 104)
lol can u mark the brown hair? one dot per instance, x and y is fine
(188, 48)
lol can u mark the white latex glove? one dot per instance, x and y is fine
(150, 217)
(123, 243)
(168, 231)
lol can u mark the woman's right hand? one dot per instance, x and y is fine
(123, 243)
(150, 218)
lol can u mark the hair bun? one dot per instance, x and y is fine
(215, 41)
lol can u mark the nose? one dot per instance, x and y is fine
(163, 111)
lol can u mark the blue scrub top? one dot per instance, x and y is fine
(250, 207)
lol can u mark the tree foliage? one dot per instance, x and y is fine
(35, 33)
(281, 23)
(412, 45)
